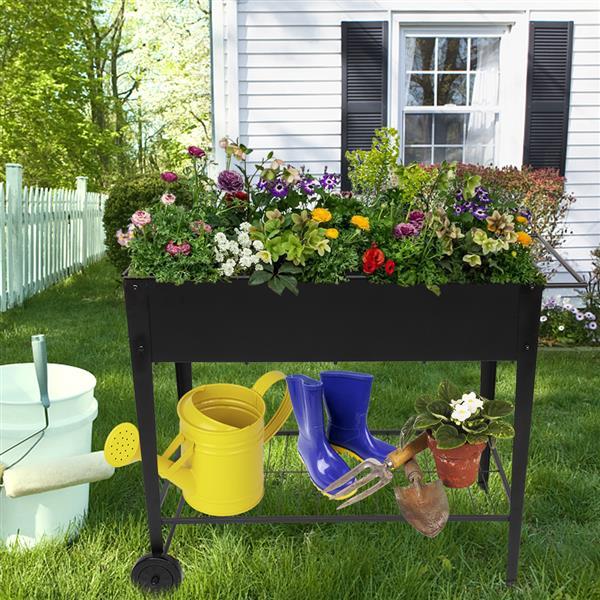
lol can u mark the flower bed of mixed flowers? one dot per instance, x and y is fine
(280, 225)
(562, 323)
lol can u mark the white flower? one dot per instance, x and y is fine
(473, 405)
(543, 319)
(258, 268)
(245, 262)
(219, 257)
(245, 226)
(469, 396)
(265, 256)
(460, 413)
(579, 316)
(567, 306)
(574, 310)
(246, 252)
(590, 316)
(227, 270)
(244, 240)
(591, 325)
(561, 327)
(220, 238)
(233, 247)
(258, 245)
(454, 403)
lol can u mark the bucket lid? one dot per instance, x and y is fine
(218, 407)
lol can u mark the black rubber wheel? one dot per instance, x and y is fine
(157, 573)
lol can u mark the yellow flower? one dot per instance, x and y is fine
(361, 222)
(524, 238)
(332, 234)
(474, 260)
(521, 219)
(321, 215)
(513, 254)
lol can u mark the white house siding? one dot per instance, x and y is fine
(287, 93)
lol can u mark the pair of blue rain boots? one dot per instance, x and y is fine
(346, 396)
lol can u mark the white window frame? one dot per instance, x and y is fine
(446, 32)
(512, 27)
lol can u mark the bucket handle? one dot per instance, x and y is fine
(284, 410)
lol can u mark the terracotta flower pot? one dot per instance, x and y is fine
(458, 467)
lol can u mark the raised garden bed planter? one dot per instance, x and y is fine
(354, 321)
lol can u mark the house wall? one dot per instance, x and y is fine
(278, 82)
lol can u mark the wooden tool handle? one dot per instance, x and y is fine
(413, 471)
(401, 455)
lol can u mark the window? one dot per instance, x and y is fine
(449, 97)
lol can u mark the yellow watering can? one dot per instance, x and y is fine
(221, 435)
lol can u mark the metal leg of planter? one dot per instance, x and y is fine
(526, 362)
(183, 374)
(487, 388)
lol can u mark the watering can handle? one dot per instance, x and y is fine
(284, 410)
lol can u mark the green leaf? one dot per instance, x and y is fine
(475, 425)
(448, 391)
(289, 269)
(421, 403)
(434, 289)
(290, 283)
(448, 437)
(439, 408)
(425, 421)
(277, 285)
(495, 409)
(259, 277)
(501, 429)
(476, 438)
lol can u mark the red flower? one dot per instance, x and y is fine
(390, 266)
(373, 258)
(241, 195)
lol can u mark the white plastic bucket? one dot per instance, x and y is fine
(72, 410)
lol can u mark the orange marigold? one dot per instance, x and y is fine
(524, 238)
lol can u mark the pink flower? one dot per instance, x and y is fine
(200, 225)
(196, 151)
(168, 198)
(405, 230)
(207, 228)
(123, 238)
(140, 218)
(168, 176)
(173, 249)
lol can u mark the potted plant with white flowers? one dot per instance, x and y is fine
(458, 427)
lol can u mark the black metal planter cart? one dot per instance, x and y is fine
(210, 323)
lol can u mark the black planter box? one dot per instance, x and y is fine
(354, 321)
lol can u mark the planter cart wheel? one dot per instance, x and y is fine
(157, 573)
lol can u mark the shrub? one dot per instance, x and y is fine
(124, 199)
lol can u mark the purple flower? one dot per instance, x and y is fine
(308, 185)
(405, 230)
(416, 216)
(279, 189)
(525, 212)
(329, 181)
(459, 196)
(262, 185)
(168, 176)
(482, 195)
(123, 238)
(196, 151)
(230, 181)
(458, 209)
(480, 214)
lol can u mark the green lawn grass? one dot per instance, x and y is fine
(84, 321)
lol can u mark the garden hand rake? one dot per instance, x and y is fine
(380, 474)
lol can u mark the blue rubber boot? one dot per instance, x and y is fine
(347, 396)
(323, 464)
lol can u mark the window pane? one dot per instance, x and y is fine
(452, 89)
(420, 54)
(417, 155)
(481, 129)
(452, 54)
(485, 53)
(419, 91)
(417, 129)
(449, 129)
(447, 154)
(479, 155)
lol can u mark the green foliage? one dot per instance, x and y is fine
(125, 198)
(335, 266)
(455, 419)
(370, 170)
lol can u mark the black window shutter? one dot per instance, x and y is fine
(364, 85)
(548, 90)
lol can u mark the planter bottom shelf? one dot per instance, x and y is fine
(288, 489)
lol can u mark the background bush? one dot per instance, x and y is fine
(125, 198)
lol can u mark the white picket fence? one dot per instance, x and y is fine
(45, 235)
